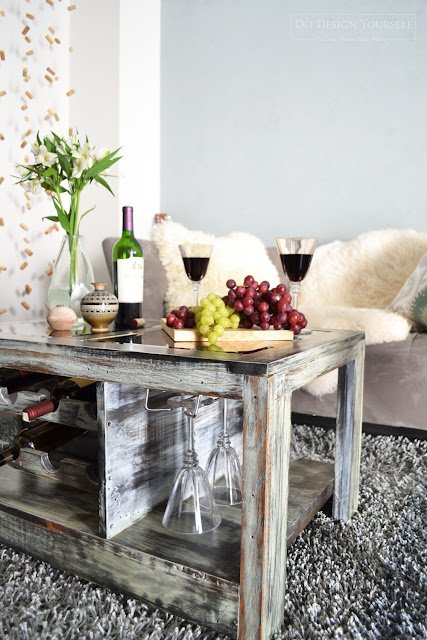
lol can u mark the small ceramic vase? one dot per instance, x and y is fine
(99, 308)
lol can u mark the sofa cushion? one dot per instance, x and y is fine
(154, 276)
(234, 256)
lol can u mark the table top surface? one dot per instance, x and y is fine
(153, 342)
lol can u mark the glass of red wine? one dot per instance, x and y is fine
(196, 261)
(296, 255)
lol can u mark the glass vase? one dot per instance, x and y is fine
(72, 276)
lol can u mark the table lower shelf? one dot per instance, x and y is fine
(195, 577)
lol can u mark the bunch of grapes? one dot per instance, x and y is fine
(244, 306)
(258, 304)
(211, 318)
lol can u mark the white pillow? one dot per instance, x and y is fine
(234, 256)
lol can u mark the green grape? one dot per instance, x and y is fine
(211, 297)
(213, 337)
(208, 319)
(224, 322)
(223, 311)
(210, 307)
(203, 302)
(217, 316)
(235, 319)
(204, 329)
(218, 302)
(218, 330)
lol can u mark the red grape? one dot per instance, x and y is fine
(256, 318)
(178, 324)
(280, 304)
(240, 291)
(254, 284)
(174, 312)
(247, 300)
(263, 306)
(250, 292)
(248, 280)
(190, 314)
(248, 310)
(263, 287)
(238, 305)
(296, 329)
(281, 288)
(170, 319)
(275, 297)
(232, 295)
(230, 284)
(247, 323)
(189, 322)
(278, 326)
(225, 299)
(181, 314)
(293, 317)
(265, 317)
(264, 326)
(288, 298)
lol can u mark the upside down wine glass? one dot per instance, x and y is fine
(196, 261)
(296, 255)
(191, 506)
(223, 468)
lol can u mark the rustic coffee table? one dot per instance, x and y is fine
(231, 579)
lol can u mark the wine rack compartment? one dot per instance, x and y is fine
(69, 471)
(75, 413)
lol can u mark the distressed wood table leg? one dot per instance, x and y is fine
(266, 442)
(348, 436)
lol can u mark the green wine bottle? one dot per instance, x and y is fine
(128, 273)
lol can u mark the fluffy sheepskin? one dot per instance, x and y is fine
(350, 285)
(234, 256)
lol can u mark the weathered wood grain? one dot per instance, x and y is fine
(267, 429)
(348, 435)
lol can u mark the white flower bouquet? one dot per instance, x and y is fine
(66, 166)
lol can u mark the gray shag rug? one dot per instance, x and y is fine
(363, 579)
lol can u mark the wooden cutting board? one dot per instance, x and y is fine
(230, 335)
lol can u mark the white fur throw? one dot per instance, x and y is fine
(234, 256)
(350, 284)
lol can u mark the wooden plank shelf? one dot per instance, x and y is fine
(137, 560)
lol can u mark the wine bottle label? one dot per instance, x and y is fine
(130, 279)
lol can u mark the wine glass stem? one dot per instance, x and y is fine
(196, 289)
(224, 416)
(190, 459)
(294, 289)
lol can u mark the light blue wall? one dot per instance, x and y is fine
(275, 135)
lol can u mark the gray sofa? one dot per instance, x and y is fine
(395, 395)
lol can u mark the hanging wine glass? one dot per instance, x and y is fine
(296, 255)
(223, 468)
(191, 506)
(196, 261)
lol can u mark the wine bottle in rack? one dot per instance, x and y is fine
(128, 273)
(44, 436)
(77, 388)
(15, 380)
